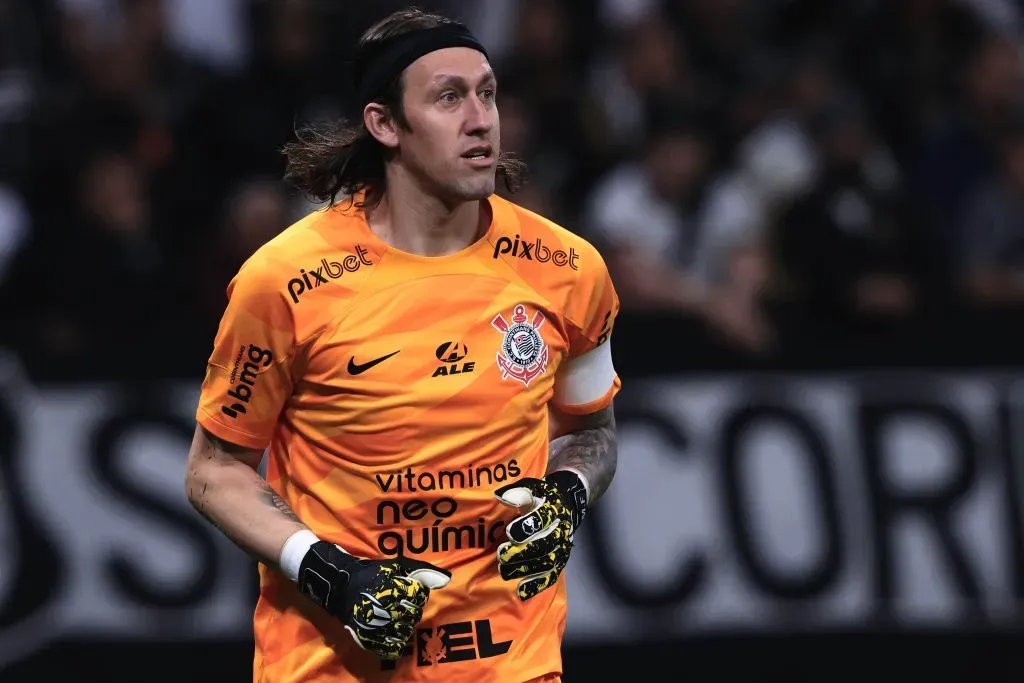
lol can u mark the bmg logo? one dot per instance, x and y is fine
(243, 377)
(535, 251)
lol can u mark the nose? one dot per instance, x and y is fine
(480, 116)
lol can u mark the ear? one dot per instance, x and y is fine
(381, 124)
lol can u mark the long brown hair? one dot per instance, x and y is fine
(341, 157)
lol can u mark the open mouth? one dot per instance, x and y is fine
(479, 154)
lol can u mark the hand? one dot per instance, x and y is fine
(379, 601)
(739, 320)
(540, 540)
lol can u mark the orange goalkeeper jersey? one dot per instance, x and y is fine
(395, 393)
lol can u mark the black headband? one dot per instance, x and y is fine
(389, 58)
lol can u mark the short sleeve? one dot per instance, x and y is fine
(586, 381)
(248, 375)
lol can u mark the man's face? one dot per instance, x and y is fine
(676, 162)
(453, 139)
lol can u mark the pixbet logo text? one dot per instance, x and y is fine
(535, 251)
(326, 271)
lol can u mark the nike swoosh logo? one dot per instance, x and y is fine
(359, 368)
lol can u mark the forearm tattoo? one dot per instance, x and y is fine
(270, 497)
(267, 495)
(591, 450)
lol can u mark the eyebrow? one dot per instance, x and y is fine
(451, 80)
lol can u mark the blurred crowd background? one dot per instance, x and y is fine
(776, 185)
(767, 170)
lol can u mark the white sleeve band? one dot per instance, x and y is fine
(585, 378)
(294, 551)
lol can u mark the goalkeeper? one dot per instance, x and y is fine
(427, 368)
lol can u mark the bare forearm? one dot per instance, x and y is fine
(590, 450)
(658, 287)
(234, 498)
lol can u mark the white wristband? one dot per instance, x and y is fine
(294, 551)
(583, 479)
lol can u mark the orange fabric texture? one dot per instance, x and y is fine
(395, 393)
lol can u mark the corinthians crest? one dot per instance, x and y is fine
(523, 354)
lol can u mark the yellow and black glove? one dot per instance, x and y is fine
(541, 539)
(379, 601)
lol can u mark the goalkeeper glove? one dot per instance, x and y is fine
(379, 601)
(540, 540)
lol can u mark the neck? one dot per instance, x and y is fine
(416, 221)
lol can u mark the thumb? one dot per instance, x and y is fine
(521, 494)
(430, 576)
